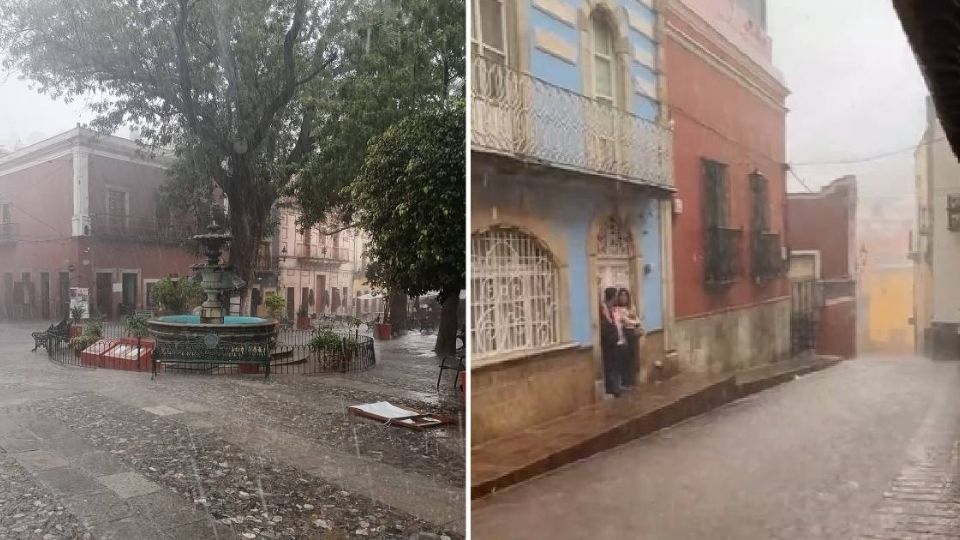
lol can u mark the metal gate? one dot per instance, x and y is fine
(804, 312)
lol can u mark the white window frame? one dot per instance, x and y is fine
(476, 34)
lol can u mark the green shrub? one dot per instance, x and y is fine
(76, 313)
(178, 295)
(275, 305)
(331, 342)
(137, 326)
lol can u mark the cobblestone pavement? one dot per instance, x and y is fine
(115, 455)
(866, 450)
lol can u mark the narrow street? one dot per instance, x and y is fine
(862, 450)
(104, 454)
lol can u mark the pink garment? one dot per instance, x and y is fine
(615, 316)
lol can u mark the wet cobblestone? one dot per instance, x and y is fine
(29, 511)
(255, 497)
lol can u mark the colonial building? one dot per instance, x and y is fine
(822, 235)
(308, 267)
(80, 210)
(726, 103)
(571, 189)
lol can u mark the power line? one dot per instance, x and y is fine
(802, 183)
(868, 158)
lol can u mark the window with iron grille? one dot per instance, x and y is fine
(767, 257)
(514, 293)
(721, 241)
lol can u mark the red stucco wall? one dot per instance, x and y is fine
(822, 222)
(716, 117)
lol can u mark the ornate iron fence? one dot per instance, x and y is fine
(292, 353)
(516, 114)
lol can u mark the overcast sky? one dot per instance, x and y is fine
(856, 92)
(855, 88)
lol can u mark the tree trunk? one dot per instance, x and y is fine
(449, 323)
(249, 213)
(398, 312)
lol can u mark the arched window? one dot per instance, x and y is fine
(604, 60)
(514, 293)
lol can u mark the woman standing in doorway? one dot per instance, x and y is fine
(613, 343)
(626, 313)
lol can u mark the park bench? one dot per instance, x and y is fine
(208, 354)
(55, 335)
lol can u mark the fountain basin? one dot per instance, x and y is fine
(234, 330)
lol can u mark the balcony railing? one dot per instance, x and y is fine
(9, 233)
(767, 256)
(722, 255)
(312, 254)
(518, 115)
(120, 227)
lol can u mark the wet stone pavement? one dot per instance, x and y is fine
(866, 450)
(114, 455)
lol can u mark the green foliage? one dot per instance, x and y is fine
(137, 326)
(408, 58)
(303, 311)
(219, 81)
(177, 295)
(76, 313)
(411, 196)
(92, 332)
(275, 304)
(330, 342)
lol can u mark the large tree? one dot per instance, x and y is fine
(409, 57)
(411, 196)
(219, 80)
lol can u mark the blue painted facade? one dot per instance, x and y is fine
(569, 205)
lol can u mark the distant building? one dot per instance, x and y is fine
(306, 266)
(886, 275)
(822, 235)
(79, 210)
(934, 246)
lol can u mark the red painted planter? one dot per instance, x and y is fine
(383, 331)
(75, 330)
(303, 322)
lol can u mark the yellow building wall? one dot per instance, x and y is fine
(888, 293)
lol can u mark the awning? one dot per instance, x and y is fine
(933, 30)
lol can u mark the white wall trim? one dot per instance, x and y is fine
(81, 190)
(559, 10)
(815, 253)
(555, 45)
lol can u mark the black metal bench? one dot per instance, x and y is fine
(195, 355)
(455, 362)
(55, 335)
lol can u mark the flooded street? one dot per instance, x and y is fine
(839, 454)
(113, 454)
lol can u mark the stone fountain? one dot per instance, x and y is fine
(212, 326)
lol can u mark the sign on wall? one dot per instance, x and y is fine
(80, 296)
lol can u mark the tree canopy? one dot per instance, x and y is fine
(411, 196)
(408, 58)
(220, 81)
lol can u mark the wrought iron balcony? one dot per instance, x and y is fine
(9, 233)
(722, 255)
(308, 254)
(122, 227)
(518, 115)
(767, 256)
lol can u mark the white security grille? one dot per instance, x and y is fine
(514, 288)
(614, 240)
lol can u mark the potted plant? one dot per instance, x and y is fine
(137, 327)
(383, 329)
(92, 332)
(331, 344)
(76, 327)
(303, 318)
(275, 306)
